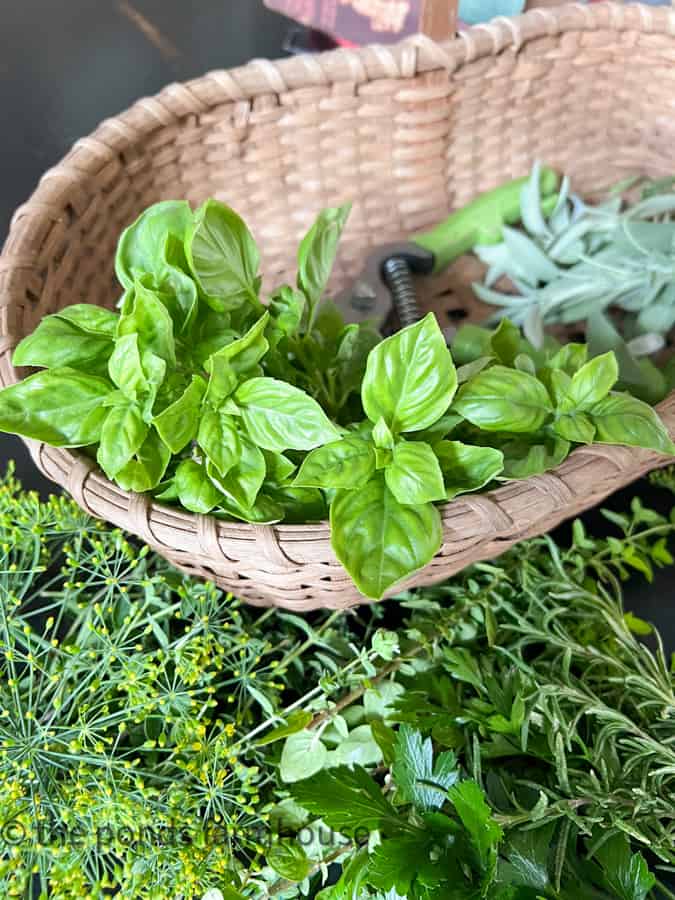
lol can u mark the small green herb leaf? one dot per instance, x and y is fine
(289, 860)
(346, 799)
(122, 435)
(317, 252)
(578, 429)
(378, 540)
(61, 407)
(223, 257)
(622, 419)
(501, 399)
(410, 378)
(466, 468)
(145, 315)
(286, 310)
(145, 471)
(414, 475)
(244, 480)
(347, 463)
(279, 416)
(302, 756)
(218, 437)
(298, 720)
(153, 246)
(626, 874)
(246, 352)
(178, 423)
(591, 383)
(418, 780)
(195, 489)
(476, 816)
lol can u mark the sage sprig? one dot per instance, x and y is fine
(580, 261)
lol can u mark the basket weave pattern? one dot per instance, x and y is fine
(406, 133)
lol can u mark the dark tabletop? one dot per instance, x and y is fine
(67, 64)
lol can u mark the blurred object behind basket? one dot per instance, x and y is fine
(357, 22)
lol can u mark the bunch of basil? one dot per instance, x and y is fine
(198, 392)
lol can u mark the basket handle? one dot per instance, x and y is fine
(438, 19)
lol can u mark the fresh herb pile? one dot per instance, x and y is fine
(199, 393)
(580, 262)
(513, 737)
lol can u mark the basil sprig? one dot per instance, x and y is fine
(198, 391)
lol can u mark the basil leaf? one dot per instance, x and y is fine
(264, 511)
(223, 257)
(466, 373)
(244, 480)
(378, 540)
(439, 429)
(223, 380)
(219, 439)
(286, 310)
(505, 342)
(414, 475)
(94, 320)
(347, 463)
(178, 423)
(382, 436)
(279, 416)
(570, 358)
(61, 407)
(246, 352)
(525, 363)
(153, 245)
(195, 489)
(138, 245)
(622, 419)
(122, 435)
(354, 345)
(58, 343)
(410, 378)
(577, 428)
(143, 313)
(147, 469)
(279, 467)
(317, 252)
(501, 399)
(213, 331)
(558, 383)
(139, 378)
(299, 505)
(525, 458)
(466, 468)
(470, 343)
(592, 383)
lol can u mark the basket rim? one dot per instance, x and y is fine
(89, 155)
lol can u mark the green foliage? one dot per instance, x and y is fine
(489, 747)
(533, 751)
(575, 262)
(129, 695)
(196, 390)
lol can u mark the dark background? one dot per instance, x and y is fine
(67, 64)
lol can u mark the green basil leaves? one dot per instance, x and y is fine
(410, 378)
(198, 391)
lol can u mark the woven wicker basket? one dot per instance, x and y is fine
(407, 134)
